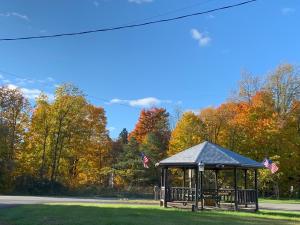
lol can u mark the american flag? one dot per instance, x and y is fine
(145, 160)
(270, 165)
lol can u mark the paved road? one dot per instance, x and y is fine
(8, 201)
(285, 207)
(11, 201)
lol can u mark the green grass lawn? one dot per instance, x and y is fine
(280, 201)
(94, 214)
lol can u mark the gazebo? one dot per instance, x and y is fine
(206, 161)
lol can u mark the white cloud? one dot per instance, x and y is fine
(21, 16)
(12, 86)
(24, 81)
(287, 10)
(111, 129)
(6, 81)
(210, 16)
(145, 102)
(142, 102)
(202, 38)
(96, 3)
(3, 79)
(50, 79)
(140, 1)
(28, 93)
(19, 81)
(15, 14)
(195, 111)
(32, 93)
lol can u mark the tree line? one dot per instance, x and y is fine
(63, 145)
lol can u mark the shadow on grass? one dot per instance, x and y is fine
(125, 215)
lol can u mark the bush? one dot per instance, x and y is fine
(27, 184)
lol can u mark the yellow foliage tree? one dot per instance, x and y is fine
(189, 131)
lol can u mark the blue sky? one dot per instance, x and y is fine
(191, 64)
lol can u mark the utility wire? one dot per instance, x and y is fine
(128, 26)
(169, 12)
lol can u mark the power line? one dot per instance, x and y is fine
(128, 26)
(169, 12)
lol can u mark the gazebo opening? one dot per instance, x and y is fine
(206, 176)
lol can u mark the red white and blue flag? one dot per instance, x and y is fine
(270, 165)
(145, 160)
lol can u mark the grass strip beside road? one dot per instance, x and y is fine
(104, 214)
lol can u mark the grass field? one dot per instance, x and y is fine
(99, 214)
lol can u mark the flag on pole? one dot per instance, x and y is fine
(274, 167)
(266, 163)
(270, 165)
(145, 160)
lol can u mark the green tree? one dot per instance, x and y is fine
(129, 167)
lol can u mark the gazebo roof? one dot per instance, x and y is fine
(212, 155)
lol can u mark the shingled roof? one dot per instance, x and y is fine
(211, 155)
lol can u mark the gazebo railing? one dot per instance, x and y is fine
(246, 196)
(182, 194)
(186, 194)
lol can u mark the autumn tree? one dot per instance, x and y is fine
(263, 120)
(67, 142)
(189, 131)
(150, 136)
(248, 86)
(93, 162)
(213, 122)
(34, 157)
(284, 84)
(14, 113)
(153, 121)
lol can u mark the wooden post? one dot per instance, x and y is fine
(256, 190)
(216, 187)
(235, 189)
(166, 187)
(216, 180)
(197, 187)
(201, 189)
(161, 185)
(162, 177)
(245, 186)
(191, 177)
(183, 182)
